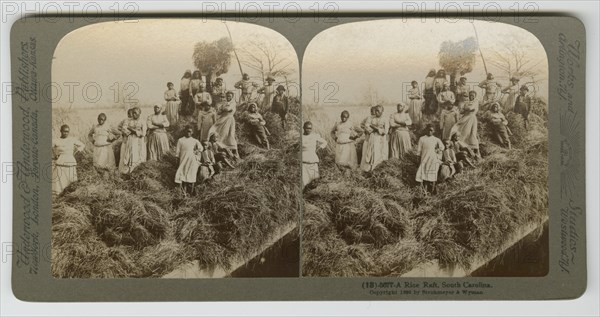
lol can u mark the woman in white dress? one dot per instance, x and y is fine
(225, 124)
(189, 151)
(378, 147)
(268, 92)
(429, 149)
(344, 134)
(172, 107)
(467, 123)
(158, 140)
(64, 167)
(102, 137)
(399, 136)
(415, 105)
(511, 92)
(134, 151)
(310, 161)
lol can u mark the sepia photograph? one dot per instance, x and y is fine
(176, 151)
(425, 150)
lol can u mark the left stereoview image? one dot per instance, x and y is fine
(177, 153)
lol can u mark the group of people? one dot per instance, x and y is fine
(443, 153)
(205, 151)
(193, 91)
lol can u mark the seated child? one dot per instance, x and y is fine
(259, 131)
(207, 163)
(499, 124)
(462, 151)
(222, 154)
(447, 170)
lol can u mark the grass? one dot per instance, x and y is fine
(382, 223)
(140, 225)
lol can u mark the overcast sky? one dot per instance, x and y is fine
(146, 52)
(387, 53)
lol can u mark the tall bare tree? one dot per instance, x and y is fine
(268, 58)
(513, 58)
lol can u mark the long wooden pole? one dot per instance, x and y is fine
(234, 52)
(479, 47)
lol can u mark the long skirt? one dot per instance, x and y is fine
(399, 143)
(62, 176)
(447, 129)
(375, 151)
(345, 154)
(104, 157)
(260, 134)
(431, 105)
(467, 127)
(185, 98)
(133, 153)
(158, 145)
(172, 111)
(508, 103)
(501, 134)
(428, 169)
(225, 127)
(415, 112)
(310, 172)
(188, 168)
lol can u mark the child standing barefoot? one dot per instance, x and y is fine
(186, 151)
(427, 149)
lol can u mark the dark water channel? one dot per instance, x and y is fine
(528, 257)
(282, 259)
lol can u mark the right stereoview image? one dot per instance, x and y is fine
(425, 150)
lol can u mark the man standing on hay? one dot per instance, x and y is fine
(247, 87)
(280, 104)
(523, 105)
(491, 88)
